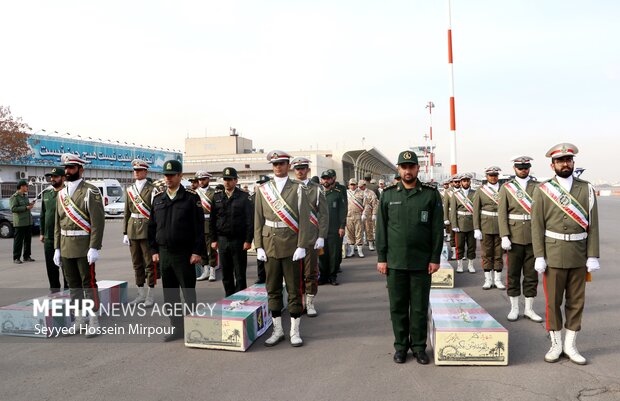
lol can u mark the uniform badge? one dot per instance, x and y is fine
(407, 155)
(277, 204)
(496, 196)
(564, 200)
(227, 172)
(520, 194)
(424, 216)
(168, 166)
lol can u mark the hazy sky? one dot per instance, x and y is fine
(299, 74)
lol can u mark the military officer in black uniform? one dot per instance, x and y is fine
(329, 261)
(176, 237)
(409, 243)
(232, 229)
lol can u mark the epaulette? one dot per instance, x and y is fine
(191, 191)
(390, 187)
(580, 180)
(336, 189)
(428, 185)
(217, 191)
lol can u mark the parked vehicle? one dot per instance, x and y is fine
(116, 209)
(111, 190)
(6, 220)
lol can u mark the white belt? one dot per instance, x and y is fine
(138, 216)
(207, 215)
(463, 213)
(520, 216)
(275, 224)
(74, 233)
(566, 237)
(487, 213)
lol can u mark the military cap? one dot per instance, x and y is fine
(278, 156)
(300, 162)
(456, 177)
(315, 179)
(465, 176)
(172, 167)
(229, 172)
(407, 157)
(327, 173)
(192, 179)
(493, 170)
(203, 174)
(56, 171)
(69, 159)
(263, 179)
(332, 172)
(353, 181)
(361, 183)
(220, 187)
(139, 164)
(561, 150)
(21, 183)
(522, 162)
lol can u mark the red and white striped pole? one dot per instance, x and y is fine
(453, 168)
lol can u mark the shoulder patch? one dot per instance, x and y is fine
(390, 187)
(428, 185)
(191, 191)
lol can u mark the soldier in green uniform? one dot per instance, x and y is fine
(78, 235)
(409, 242)
(206, 193)
(565, 239)
(176, 238)
(319, 216)
(486, 229)
(22, 222)
(462, 223)
(343, 195)
(282, 234)
(48, 216)
(329, 261)
(138, 207)
(515, 228)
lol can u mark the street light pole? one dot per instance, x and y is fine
(452, 116)
(430, 105)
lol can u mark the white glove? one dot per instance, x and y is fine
(374, 217)
(299, 254)
(320, 243)
(448, 237)
(540, 265)
(261, 255)
(478, 235)
(126, 240)
(506, 244)
(455, 229)
(363, 217)
(592, 265)
(446, 222)
(92, 256)
(57, 261)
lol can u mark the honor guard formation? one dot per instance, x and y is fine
(302, 224)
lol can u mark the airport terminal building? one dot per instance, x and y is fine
(106, 159)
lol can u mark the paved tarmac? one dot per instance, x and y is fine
(347, 353)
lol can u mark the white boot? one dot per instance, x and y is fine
(277, 335)
(296, 340)
(488, 280)
(498, 281)
(350, 251)
(553, 355)
(570, 349)
(310, 309)
(453, 253)
(211, 273)
(360, 251)
(78, 322)
(459, 266)
(371, 245)
(514, 309)
(470, 266)
(205, 273)
(140, 298)
(529, 310)
(93, 326)
(148, 299)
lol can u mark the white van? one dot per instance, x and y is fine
(111, 190)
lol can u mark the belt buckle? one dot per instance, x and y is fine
(567, 237)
